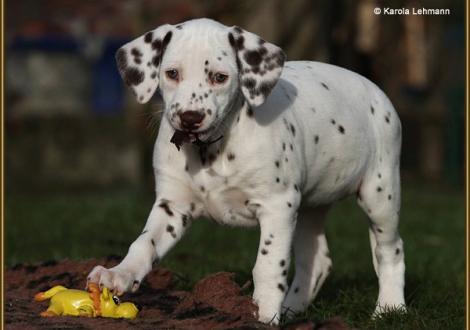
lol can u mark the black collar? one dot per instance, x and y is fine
(181, 137)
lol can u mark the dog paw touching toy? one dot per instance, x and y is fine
(82, 303)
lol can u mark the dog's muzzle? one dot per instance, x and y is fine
(191, 120)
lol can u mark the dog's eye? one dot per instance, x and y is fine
(220, 78)
(116, 300)
(172, 74)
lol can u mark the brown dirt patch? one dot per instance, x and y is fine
(216, 302)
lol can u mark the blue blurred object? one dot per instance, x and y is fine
(107, 92)
(107, 95)
(48, 43)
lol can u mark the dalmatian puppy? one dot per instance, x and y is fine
(251, 140)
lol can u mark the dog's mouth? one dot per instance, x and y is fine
(200, 139)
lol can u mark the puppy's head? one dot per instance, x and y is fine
(201, 67)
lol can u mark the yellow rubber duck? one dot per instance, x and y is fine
(82, 303)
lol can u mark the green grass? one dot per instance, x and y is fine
(78, 225)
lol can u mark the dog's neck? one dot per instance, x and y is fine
(215, 143)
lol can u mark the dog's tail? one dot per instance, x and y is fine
(49, 293)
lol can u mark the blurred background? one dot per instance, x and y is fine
(79, 182)
(71, 123)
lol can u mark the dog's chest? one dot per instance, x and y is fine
(224, 193)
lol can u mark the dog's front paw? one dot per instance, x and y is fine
(116, 279)
(268, 317)
(268, 313)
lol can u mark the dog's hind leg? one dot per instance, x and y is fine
(312, 261)
(379, 197)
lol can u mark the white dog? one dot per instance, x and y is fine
(259, 141)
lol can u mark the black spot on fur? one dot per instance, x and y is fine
(387, 119)
(264, 252)
(170, 228)
(389, 197)
(291, 146)
(379, 189)
(192, 206)
(157, 44)
(296, 290)
(164, 205)
(316, 139)
(397, 251)
(267, 242)
(249, 83)
(372, 110)
(253, 57)
(280, 287)
(231, 40)
(136, 52)
(266, 87)
(296, 187)
(133, 76)
(152, 242)
(292, 129)
(156, 60)
(184, 219)
(202, 188)
(166, 40)
(249, 112)
(153, 75)
(148, 37)
(284, 146)
(333, 121)
(240, 42)
(278, 180)
(284, 272)
(341, 129)
(137, 60)
(282, 263)
(230, 156)
(289, 204)
(277, 163)
(325, 86)
(379, 230)
(179, 26)
(121, 59)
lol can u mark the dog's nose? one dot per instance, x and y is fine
(191, 119)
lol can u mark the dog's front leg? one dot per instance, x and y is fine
(166, 224)
(277, 223)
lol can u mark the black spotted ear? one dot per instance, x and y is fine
(259, 64)
(139, 61)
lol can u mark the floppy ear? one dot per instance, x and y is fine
(139, 61)
(259, 64)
